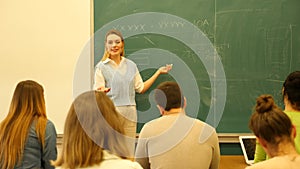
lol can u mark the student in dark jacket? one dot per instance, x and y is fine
(27, 137)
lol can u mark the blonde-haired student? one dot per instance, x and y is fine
(93, 135)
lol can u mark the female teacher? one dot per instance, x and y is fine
(119, 77)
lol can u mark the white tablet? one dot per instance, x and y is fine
(248, 144)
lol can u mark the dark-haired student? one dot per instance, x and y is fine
(176, 141)
(291, 99)
(27, 137)
(275, 133)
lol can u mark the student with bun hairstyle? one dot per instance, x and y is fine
(275, 133)
(291, 99)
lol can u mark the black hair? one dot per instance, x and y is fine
(291, 89)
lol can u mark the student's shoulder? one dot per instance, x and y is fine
(150, 128)
(125, 164)
(152, 123)
(50, 123)
(205, 129)
(50, 127)
(111, 161)
(293, 114)
(260, 165)
(275, 162)
(203, 124)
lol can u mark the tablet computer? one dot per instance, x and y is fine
(248, 144)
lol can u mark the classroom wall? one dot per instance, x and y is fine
(42, 41)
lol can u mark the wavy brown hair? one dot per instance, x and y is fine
(92, 124)
(27, 105)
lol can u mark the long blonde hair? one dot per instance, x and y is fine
(92, 124)
(27, 105)
(115, 32)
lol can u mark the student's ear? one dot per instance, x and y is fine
(184, 103)
(161, 110)
(285, 97)
(294, 132)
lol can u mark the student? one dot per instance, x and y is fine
(175, 141)
(291, 99)
(93, 135)
(27, 137)
(120, 78)
(275, 133)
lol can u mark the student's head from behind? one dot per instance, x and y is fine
(168, 95)
(92, 124)
(27, 106)
(291, 90)
(270, 124)
(28, 98)
(114, 44)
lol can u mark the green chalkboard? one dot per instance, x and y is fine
(225, 52)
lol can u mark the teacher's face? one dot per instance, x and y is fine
(114, 45)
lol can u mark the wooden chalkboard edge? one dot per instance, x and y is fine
(223, 137)
(231, 137)
(59, 139)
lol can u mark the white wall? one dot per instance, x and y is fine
(42, 41)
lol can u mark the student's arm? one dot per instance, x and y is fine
(260, 154)
(141, 153)
(49, 151)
